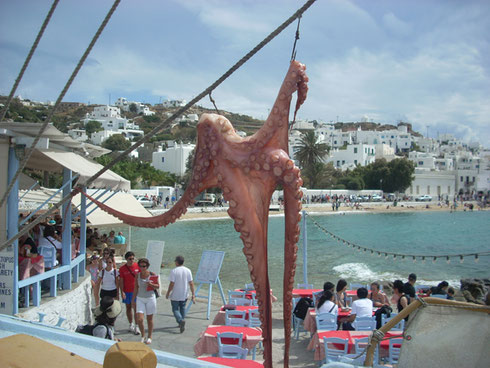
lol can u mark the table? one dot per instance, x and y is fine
(30, 266)
(237, 363)
(316, 342)
(208, 343)
(220, 318)
(304, 293)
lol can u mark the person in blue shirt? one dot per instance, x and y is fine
(119, 239)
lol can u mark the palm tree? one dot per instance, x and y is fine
(310, 153)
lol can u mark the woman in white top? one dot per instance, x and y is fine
(108, 281)
(326, 304)
(49, 241)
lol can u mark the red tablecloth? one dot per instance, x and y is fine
(304, 293)
(316, 342)
(237, 363)
(208, 344)
(249, 293)
(353, 293)
(30, 266)
(220, 318)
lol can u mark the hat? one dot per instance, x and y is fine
(52, 222)
(108, 305)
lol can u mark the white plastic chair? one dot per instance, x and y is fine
(305, 286)
(394, 352)
(326, 322)
(332, 351)
(398, 327)
(364, 323)
(236, 318)
(49, 255)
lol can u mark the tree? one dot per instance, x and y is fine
(133, 108)
(93, 126)
(116, 142)
(401, 175)
(309, 153)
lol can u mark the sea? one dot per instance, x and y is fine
(417, 233)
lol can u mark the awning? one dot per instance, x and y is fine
(121, 201)
(55, 161)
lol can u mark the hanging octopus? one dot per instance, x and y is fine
(248, 171)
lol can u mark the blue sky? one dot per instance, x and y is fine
(426, 62)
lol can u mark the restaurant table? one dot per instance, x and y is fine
(316, 342)
(208, 342)
(309, 323)
(220, 318)
(249, 294)
(236, 363)
(304, 293)
(30, 266)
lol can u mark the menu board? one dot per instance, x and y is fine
(209, 267)
(154, 253)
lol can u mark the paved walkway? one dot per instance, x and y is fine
(167, 336)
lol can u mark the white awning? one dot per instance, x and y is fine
(51, 160)
(121, 201)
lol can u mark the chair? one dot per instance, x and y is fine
(398, 327)
(305, 286)
(316, 295)
(249, 286)
(364, 324)
(241, 301)
(332, 351)
(254, 318)
(236, 295)
(348, 301)
(326, 321)
(394, 352)
(228, 339)
(232, 352)
(236, 318)
(356, 286)
(49, 255)
(360, 345)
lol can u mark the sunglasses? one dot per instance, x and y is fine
(143, 266)
(131, 259)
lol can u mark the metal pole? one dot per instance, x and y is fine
(12, 229)
(305, 250)
(66, 236)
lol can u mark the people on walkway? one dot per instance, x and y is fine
(108, 281)
(93, 269)
(127, 274)
(178, 290)
(105, 317)
(144, 296)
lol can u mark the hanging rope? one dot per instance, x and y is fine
(401, 256)
(29, 152)
(159, 127)
(214, 102)
(28, 59)
(296, 38)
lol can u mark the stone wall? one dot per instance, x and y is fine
(73, 305)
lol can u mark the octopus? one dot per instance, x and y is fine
(248, 170)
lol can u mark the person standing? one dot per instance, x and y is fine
(108, 281)
(146, 301)
(119, 238)
(408, 287)
(178, 290)
(127, 274)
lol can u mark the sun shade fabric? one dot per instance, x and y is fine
(121, 201)
(51, 160)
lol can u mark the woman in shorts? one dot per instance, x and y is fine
(146, 302)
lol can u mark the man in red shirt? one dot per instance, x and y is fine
(128, 273)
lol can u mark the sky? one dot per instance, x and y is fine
(426, 62)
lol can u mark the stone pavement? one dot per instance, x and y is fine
(167, 336)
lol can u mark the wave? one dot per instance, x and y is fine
(360, 272)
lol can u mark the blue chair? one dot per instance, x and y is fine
(315, 296)
(249, 286)
(332, 351)
(233, 352)
(364, 324)
(305, 286)
(232, 294)
(359, 355)
(394, 352)
(236, 318)
(254, 318)
(241, 301)
(398, 327)
(49, 255)
(326, 322)
(228, 339)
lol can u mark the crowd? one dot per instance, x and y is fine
(138, 288)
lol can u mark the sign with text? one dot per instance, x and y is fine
(6, 280)
(210, 266)
(154, 253)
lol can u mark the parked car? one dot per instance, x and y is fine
(145, 202)
(376, 198)
(424, 198)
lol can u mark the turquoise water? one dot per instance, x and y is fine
(412, 233)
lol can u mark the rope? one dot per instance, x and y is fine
(296, 38)
(214, 102)
(401, 255)
(155, 130)
(28, 59)
(29, 152)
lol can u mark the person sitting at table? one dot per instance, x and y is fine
(403, 299)
(340, 297)
(378, 298)
(440, 289)
(450, 293)
(409, 287)
(326, 303)
(362, 307)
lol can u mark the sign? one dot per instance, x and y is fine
(209, 267)
(154, 254)
(6, 280)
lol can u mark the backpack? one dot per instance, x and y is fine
(89, 329)
(302, 307)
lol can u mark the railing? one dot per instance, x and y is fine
(76, 267)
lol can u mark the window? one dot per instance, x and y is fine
(428, 189)
(448, 189)
(163, 159)
(355, 149)
(343, 162)
(355, 162)
(461, 179)
(417, 190)
(421, 163)
(338, 163)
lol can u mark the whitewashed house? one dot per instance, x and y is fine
(353, 155)
(125, 105)
(78, 135)
(173, 159)
(173, 103)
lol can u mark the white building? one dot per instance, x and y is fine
(173, 103)
(384, 151)
(125, 105)
(353, 155)
(339, 139)
(173, 159)
(433, 183)
(78, 135)
(303, 125)
(398, 139)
